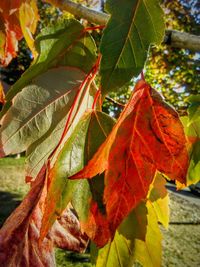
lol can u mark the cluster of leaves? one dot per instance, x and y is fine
(92, 177)
(18, 19)
(171, 70)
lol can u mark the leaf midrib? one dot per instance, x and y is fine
(127, 37)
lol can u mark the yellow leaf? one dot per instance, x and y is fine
(28, 16)
(137, 239)
(149, 252)
(159, 198)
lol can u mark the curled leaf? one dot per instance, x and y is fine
(19, 237)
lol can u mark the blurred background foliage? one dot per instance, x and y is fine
(174, 72)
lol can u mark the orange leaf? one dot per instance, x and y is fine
(10, 32)
(96, 227)
(147, 137)
(2, 95)
(19, 237)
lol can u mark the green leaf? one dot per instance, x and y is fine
(89, 133)
(194, 109)
(135, 226)
(64, 44)
(192, 129)
(193, 175)
(138, 239)
(81, 199)
(118, 253)
(61, 189)
(98, 129)
(100, 126)
(38, 108)
(133, 26)
(39, 151)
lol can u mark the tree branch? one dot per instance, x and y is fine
(182, 40)
(115, 102)
(81, 11)
(172, 37)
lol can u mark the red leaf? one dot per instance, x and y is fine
(96, 227)
(147, 137)
(19, 237)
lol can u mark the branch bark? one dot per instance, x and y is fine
(182, 40)
(172, 37)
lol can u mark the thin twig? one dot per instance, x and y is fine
(114, 102)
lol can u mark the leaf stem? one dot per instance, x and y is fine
(98, 93)
(100, 27)
(142, 75)
(88, 79)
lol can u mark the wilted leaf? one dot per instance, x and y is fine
(147, 127)
(28, 16)
(19, 237)
(78, 149)
(133, 26)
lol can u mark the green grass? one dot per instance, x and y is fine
(71, 259)
(12, 190)
(12, 178)
(12, 185)
(12, 161)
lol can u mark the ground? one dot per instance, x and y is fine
(181, 242)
